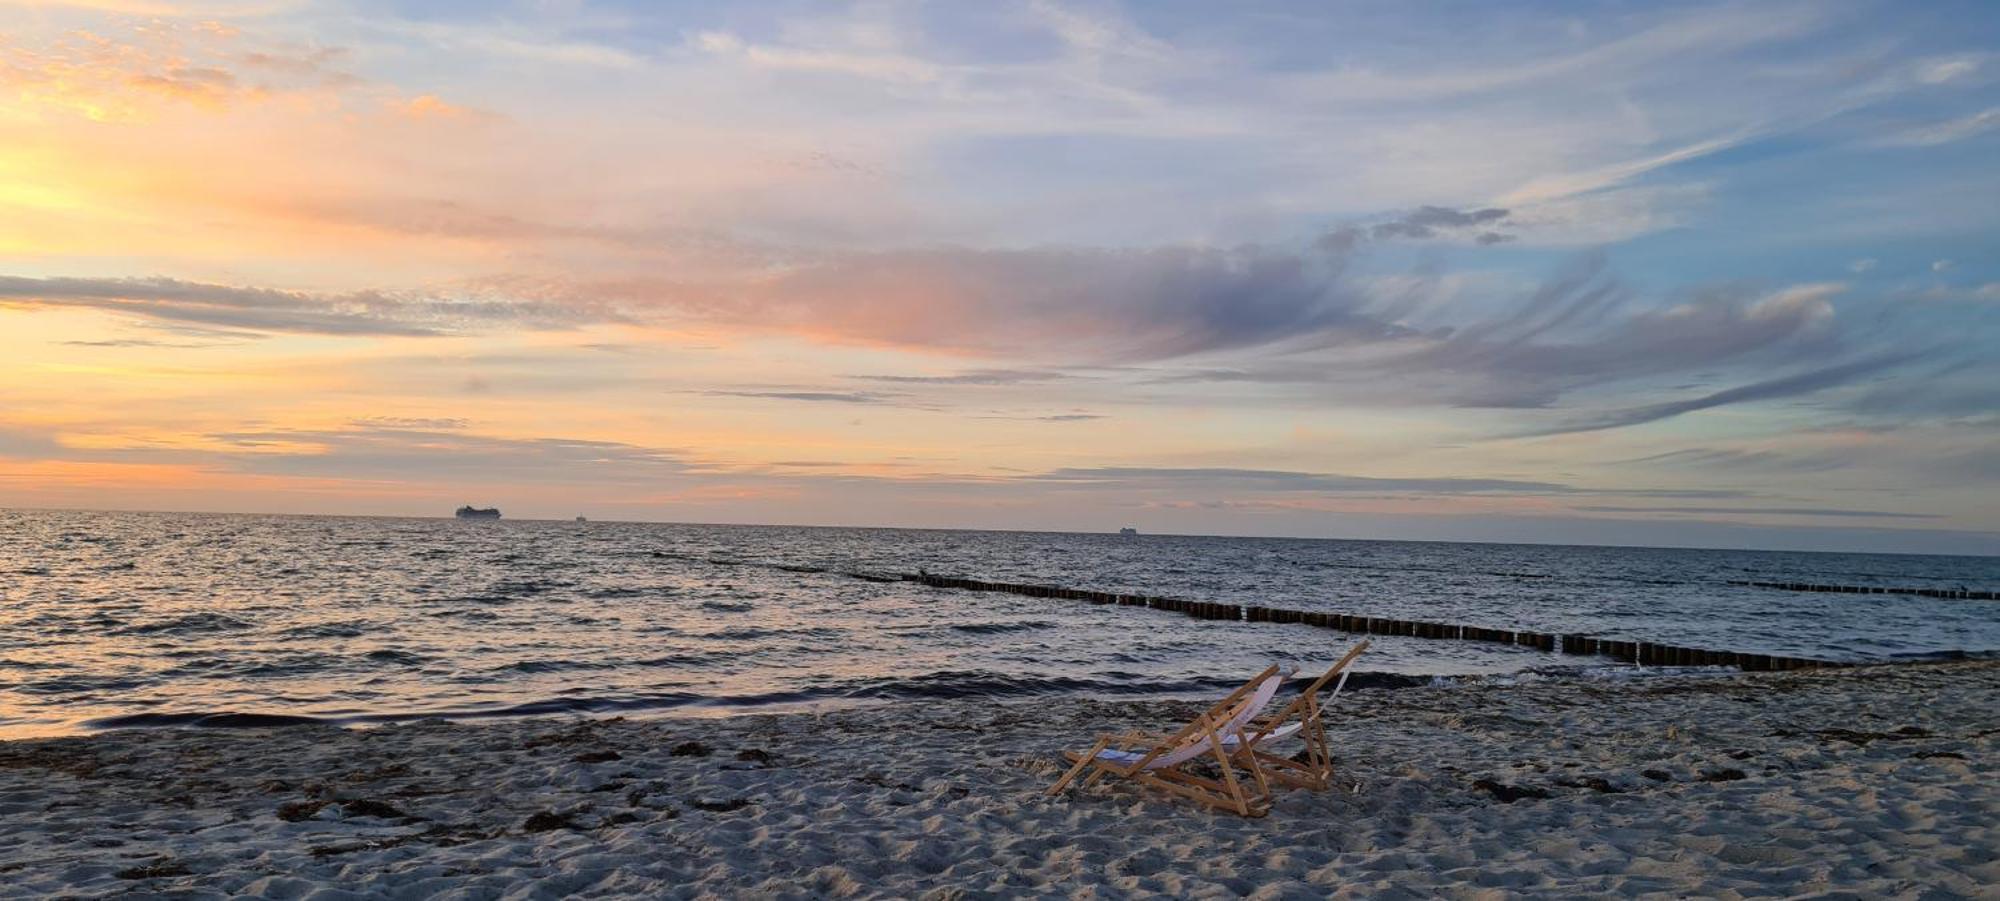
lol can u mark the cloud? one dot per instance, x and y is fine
(416, 423)
(1579, 328)
(1947, 131)
(1943, 70)
(1083, 304)
(26, 444)
(1423, 223)
(1291, 316)
(1713, 459)
(1280, 480)
(1272, 480)
(1428, 221)
(1569, 334)
(1763, 511)
(1769, 389)
(513, 42)
(1052, 417)
(147, 342)
(133, 74)
(365, 313)
(822, 397)
(973, 377)
(1959, 390)
(417, 453)
(1567, 184)
(414, 455)
(879, 65)
(1103, 304)
(430, 106)
(1863, 265)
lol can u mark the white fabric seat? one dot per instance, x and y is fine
(1235, 739)
(1232, 732)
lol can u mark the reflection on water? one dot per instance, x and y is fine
(157, 618)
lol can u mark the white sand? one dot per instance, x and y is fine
(1763, 794)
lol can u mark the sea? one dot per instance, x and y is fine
(113, 619)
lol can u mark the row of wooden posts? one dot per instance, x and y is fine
(1958, 594)
(1641, 652)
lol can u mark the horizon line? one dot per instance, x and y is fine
(1142, 534)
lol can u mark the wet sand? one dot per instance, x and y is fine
(1873, 782)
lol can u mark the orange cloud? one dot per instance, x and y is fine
(429, 106)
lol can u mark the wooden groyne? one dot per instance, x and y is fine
(1956, 594)
(1645, 653)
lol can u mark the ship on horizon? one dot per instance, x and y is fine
(470, 512)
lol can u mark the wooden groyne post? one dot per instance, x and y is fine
(1643, 653)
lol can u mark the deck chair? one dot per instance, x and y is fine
(1302, 717)
(1161, 761)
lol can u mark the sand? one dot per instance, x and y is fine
(1871, 782)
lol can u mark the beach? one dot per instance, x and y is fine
(1852, 782)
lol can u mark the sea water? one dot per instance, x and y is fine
(110, 619)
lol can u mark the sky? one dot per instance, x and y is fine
(1718, 275)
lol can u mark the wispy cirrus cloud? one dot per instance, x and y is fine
(816, 397)
(1786, 386)
(985, 377)
(1832, 512)
(1708, 459)
(1267, 480)
(1950, 130)
(1297, 316)
(365, 313)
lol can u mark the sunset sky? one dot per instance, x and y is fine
(1721, 275)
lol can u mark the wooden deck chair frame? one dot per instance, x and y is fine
(1227, 793)
(1316, 771)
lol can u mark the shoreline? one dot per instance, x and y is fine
(1861, 780)
(725, 708)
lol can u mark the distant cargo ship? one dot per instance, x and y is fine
(470, 512)
(1128, 530)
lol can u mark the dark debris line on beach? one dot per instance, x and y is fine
(1642, 652)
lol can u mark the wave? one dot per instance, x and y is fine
(80, 685)
(193, 623)
(11, 663)
(514, 589)
(555, 666)
(751, 633)
(941, 685)
(222, 720)
(1000, 628)
(950, 684)
(328, 630)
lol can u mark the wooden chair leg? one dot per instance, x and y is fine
(1211, 796)
(1228, 774)
(1249, 762)
(1083, 762)
(1318, 754)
